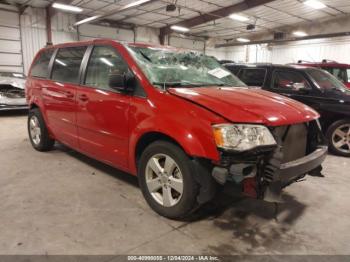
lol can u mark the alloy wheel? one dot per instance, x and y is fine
(34, 130)
(164, 180)
(341, 138)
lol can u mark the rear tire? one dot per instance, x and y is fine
(338, 135)
(38, 134)
(166, 177)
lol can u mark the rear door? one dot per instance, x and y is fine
(59, 94)
(253, 76)
(102, 116)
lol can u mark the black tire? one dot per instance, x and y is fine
(188, 201)
(45, 142)
(331, 131)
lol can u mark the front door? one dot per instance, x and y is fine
(294, 84)
(102, 116)
(59, 94)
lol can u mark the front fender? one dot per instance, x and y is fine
(194, 138)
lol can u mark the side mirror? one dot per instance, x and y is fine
(122, 82)
(117, 82)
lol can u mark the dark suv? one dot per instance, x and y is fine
(312, 86)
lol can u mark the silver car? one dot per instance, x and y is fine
(12, 93)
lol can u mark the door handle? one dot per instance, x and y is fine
(83, 97)
(69, 94)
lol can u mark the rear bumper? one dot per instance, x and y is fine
(291, 171)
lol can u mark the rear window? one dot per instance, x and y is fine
(67, 64)
(40, 67)
(252, 76)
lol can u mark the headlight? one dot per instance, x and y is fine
(241, 137)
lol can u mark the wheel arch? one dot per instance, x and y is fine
(194, 144)
(331, 120)
(33, 105)
(208, 186)
(148, 138)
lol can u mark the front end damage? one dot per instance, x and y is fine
(12, 93)
(263, 172)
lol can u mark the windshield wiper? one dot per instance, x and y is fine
(169, 84)
(146, 57)
(177, 84)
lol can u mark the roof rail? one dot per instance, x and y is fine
(303, 61)
(329, 61)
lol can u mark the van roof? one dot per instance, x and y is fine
(108, 40)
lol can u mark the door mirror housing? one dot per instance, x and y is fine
(122, 82)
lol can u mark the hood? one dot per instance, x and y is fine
(245, 105)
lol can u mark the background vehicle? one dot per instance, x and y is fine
(340, 71)
(176, 119)
(225, 61)
(314, 87)
(12, 95)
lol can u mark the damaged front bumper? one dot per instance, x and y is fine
(282, 175)
(293, 170)
(263, 173)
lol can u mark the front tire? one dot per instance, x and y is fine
(167, 180)
(38, 134)
(338, 136)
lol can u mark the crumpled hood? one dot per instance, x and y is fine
(247, 105)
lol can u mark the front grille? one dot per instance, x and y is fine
(294, 141)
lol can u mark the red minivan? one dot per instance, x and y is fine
(177, 119)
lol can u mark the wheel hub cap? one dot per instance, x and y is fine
(164, 180)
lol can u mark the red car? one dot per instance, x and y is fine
(176, 119)
(340, 71)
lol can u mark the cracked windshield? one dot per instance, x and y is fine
(169, 68)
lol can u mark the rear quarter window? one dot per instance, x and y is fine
(253, 76)
(67, 64)
(40, 66)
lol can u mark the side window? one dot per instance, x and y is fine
(289, 80)
(67, 64)
(40, 67)
(253, 77)
(233, 69)
(104, 61)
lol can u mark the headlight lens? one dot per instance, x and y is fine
(242, 137)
